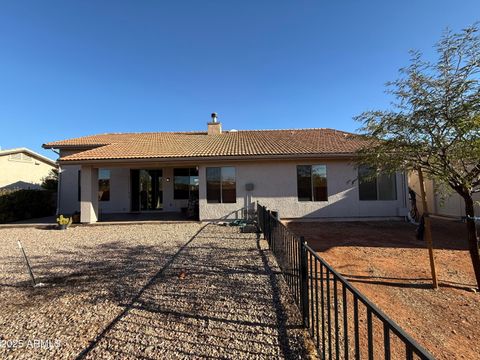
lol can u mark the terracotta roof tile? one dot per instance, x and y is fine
(199, 144)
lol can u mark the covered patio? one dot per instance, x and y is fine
(123, 192)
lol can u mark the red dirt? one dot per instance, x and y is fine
(391, 267)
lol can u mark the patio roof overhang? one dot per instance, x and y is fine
(135, 162)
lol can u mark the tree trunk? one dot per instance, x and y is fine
(428, 229)
(472, 236)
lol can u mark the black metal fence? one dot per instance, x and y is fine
(343, 323)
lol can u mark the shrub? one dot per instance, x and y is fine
(50, 182)
(4, 191)
(26, 204)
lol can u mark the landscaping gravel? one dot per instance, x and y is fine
(150, 291)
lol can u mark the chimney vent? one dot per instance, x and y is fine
(214, 127)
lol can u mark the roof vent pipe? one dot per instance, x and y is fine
(214, 127)
(214, 117)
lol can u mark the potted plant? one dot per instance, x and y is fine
(63, 222)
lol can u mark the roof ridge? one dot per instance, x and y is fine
(296, 129)
(205, 132)
(147, 132)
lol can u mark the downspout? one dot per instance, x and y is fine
(59, 183)
(59, 188)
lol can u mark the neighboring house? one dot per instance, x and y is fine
(305, 173)
(439, 203)
(22, 168)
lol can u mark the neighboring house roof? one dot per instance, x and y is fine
(245, 143)
(29, 152)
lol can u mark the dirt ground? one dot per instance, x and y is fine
(390, 266)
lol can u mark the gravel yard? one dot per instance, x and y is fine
(150, 291)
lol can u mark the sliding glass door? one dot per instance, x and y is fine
(147, 192)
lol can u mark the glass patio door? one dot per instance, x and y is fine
(150, 190)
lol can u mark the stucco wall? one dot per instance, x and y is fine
(68, 190)
(169, 203)
(23, 174)
(442, 204)
(414, 184)
(120, 191)
(275, 185)
(454, 205)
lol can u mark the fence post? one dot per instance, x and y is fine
(264, 223)
(269, 230)
(303, 280)
(265, 214)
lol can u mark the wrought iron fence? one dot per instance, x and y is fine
(343, 323)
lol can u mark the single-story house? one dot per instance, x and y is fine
(304, 173)
(22, 168)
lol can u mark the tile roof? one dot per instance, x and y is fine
(248, 143)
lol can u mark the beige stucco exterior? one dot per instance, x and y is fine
(274, 182)
(23, 169)
(275, 185)
(438, 202)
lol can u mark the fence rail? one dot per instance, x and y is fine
(343, 323)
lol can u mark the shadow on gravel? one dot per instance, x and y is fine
(129, 306)
(282, 317)
(231, 303)
(228, 305)
(111, 274)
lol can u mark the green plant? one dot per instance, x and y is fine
(433, 125)
(61, 220)
(50, 182)
(25, 204)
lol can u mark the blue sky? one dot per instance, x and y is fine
(74, 68)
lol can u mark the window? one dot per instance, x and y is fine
(379, 187)
(221, 185)
(229, 185)
(185, 183)
(103, 185)
(312, 183)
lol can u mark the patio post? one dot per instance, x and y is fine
(89, 195)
